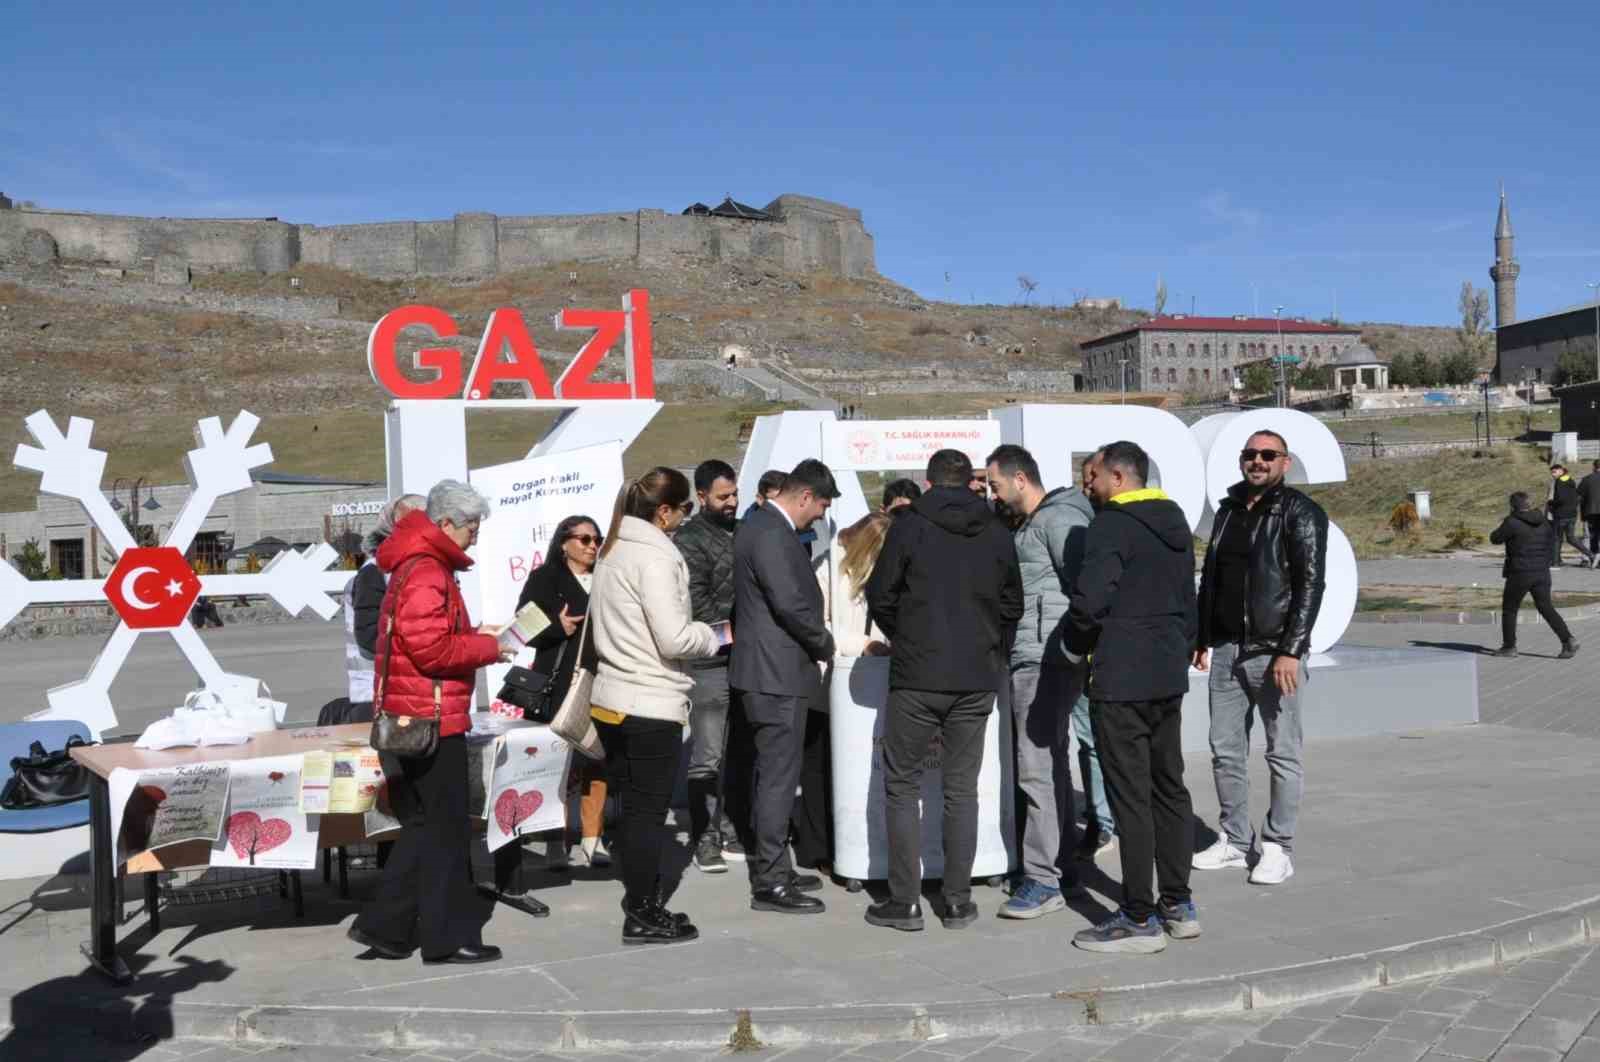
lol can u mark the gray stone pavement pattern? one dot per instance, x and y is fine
(1540, 1010)
(1480, 569)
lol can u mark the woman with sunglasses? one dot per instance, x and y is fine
(560, 587)
(642, 626)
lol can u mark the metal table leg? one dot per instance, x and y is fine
(101, 951)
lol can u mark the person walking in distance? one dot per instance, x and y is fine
(1563, 506)
(1044, 685)
(1527, 537)
(780, 638)
(948, 593)
(1133, 608)
(706, 542)
(1260, 593)
(1589, 506)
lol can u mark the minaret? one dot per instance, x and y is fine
(1505, 269)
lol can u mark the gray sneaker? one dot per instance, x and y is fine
(1120, 934)
(1180, 920)
(708, 855)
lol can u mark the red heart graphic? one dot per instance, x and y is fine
(511, 807)
(249, 836)
(531, 750)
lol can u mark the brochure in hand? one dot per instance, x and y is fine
(524, 627)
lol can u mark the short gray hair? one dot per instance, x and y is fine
(390, 515)
(453, 500)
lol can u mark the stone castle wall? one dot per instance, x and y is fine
(811, 235)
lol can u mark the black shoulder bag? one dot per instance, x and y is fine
(41, 779)
(407, 736)
(532, 691)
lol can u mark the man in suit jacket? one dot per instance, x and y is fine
(780, 635)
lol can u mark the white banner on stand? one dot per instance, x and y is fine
(873, 445)
(527, 785)
(155, 808)
(264, 826)
(529, 499)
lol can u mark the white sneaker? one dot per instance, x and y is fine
(1274, 868)
(601, 856)
(1220, 856)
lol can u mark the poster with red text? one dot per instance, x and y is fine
(264, 826)
(527, 787)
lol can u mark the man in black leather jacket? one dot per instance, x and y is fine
(1260, 593)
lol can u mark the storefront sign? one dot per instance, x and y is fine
(363, 508)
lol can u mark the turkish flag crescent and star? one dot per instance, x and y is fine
(152, 587)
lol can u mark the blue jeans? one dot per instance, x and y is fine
(1099, 815)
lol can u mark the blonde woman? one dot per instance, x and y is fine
(642, 627)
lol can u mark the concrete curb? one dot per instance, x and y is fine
(417, 1028)
(1473, 619)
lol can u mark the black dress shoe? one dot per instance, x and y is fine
(465, 955)
(906, 916)
(959, 916)
(805, 882)
(384, 948)
(647, 922)
(785, 899)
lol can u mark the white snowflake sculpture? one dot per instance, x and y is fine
(152, 588)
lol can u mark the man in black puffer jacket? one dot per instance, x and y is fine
(1133, 609)
(1527, 537)
(1564, 502)
(706, 542)
(948, 593)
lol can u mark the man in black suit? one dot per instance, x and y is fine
(948, 593)
(780, 635)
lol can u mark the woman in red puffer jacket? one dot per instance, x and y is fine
(427, 660)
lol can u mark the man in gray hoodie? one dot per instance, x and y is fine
(1049, 536)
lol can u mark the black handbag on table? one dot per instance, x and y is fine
(407, 736)
(42, 779)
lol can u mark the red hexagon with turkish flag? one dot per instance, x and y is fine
(152, 588)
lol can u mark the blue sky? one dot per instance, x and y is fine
(1252, 155)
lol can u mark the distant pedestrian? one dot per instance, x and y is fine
(1133, 608)
(1260, 593)
(1563, 507)
(1589, 506)
(947, 592)
(1527, 537)
(1049, 541)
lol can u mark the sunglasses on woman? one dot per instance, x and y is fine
(1266, 455)
(586, 540)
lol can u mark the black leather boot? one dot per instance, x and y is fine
(646, 921)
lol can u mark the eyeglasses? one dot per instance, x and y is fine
(1266, 455)
(586, 540)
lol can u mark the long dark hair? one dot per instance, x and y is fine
(641, 498)
(563, 532)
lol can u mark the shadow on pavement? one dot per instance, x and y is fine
(1456, 647)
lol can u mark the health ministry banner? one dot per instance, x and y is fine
(874, 445)
(529, 498)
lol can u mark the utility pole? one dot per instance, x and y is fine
(1283, 389)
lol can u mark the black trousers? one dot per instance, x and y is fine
(916, 719)
(1593, 524)
(1518, 586)
(1567, 529)
(1141, 755)
(642, 758)
(425, 895)
(812, 818)
(765, 747)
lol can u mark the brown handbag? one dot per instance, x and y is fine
(409, 737)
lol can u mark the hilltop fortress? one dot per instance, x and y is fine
(793, 233)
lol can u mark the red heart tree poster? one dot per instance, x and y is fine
(526, 785)
(263, 826)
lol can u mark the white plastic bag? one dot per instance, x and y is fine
(245, 702)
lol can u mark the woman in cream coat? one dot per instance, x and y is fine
(642, 627)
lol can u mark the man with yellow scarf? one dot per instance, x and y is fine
(1133, 609)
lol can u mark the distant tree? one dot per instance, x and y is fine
(1458, 367)
(1161, 295)
(1258, 379)
(1314, 377)
(1575, 366)
(1473, 336)
(31, 561)
(1402, 370)
(1027, 285)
